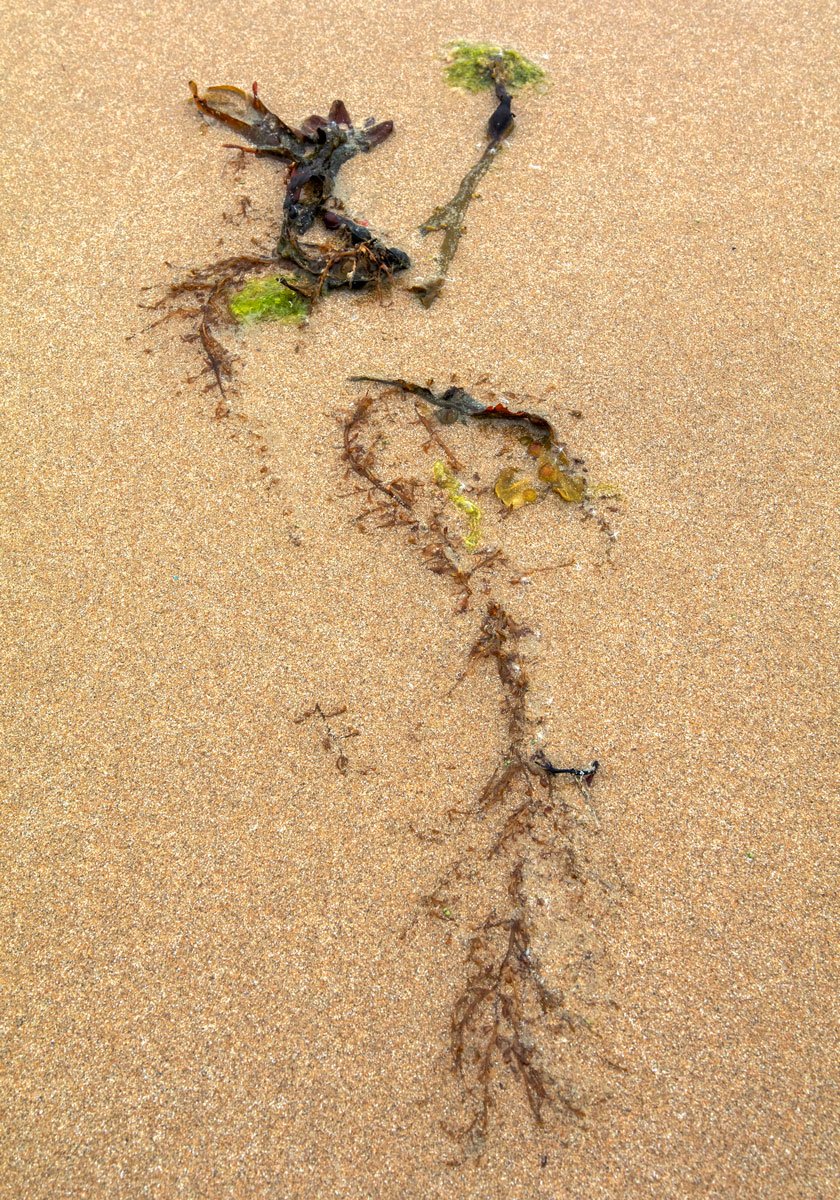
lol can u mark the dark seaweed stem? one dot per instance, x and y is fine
(449, 218)
(455, 404)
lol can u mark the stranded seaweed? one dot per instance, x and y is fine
(472, 65)
(393, 503)
(476, 67)
(352, 257)
(513, 492)
(269, 299)
(564, 476)
(332, 741)
(505, 1008)
(455, 491)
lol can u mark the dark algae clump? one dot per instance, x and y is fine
(476, 67)
(320, 247)
(314, 154)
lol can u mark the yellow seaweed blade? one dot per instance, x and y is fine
(514, 493)
(567, 486)
(571, 488)
(454, 489)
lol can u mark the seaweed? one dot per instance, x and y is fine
(353, 257)
(504, 1009)
(202, 296)
(268, 299)
(476, 67)
(396, 505)
(455, 491)
(332, 741)
(492, 1020)
(513, 492)
(472, 65)
(556, 468)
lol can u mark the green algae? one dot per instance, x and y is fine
(478, 66)
(455, 491)
(268, 299)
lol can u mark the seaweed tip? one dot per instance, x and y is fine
(479, 66)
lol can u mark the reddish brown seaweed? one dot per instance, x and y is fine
(504, 1009)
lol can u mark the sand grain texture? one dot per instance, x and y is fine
(205, 994)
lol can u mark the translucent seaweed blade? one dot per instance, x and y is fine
(515, 493)
(268, 299)
(454, 489)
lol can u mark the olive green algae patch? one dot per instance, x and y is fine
(478, 66)
(268, 299)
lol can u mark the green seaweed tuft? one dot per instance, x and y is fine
(268, 299)
(477, 66)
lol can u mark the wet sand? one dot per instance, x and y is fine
(205, 989)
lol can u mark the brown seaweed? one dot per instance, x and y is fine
(504, 1010)
(563, 475)
(493, 1019)
(351, 257)
(332, 740)
(315, 153)
(395, 505)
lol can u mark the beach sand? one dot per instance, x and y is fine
(206, 991)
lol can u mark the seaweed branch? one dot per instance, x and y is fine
(332, 741)
(396, 505)
(474, 67)
(491, 1023)
(505, 1008)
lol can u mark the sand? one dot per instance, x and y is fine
(205, 989)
